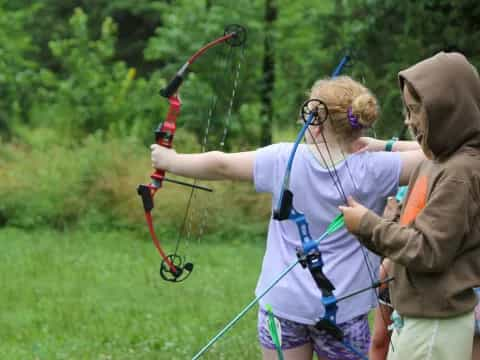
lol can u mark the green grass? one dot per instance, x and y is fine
(86, 295)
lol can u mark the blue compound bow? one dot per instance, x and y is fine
(314, 112)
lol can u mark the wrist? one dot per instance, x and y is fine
(389, 144)
(371, 144)
(172, 161)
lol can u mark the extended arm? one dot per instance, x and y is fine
(373, 144)
(410, 153)
(213, 165)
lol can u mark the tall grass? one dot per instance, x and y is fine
(46, 181)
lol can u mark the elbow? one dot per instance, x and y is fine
(433, 257)
(436, 265)
(380, 343)
(221, 168)
(428, 262)
(424, 251)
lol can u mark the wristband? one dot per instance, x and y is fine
(389, 144)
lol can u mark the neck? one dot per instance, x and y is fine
(329, 151)
(328, 154)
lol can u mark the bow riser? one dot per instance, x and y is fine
(164, 136)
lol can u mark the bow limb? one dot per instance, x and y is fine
(235, 35)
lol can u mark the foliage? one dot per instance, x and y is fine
(303, 53)
(46, 182)
(391, 37)
(136, 23)
(212, 77)
(50, 65)
(17, 70)
(104, 93)
(79, 84)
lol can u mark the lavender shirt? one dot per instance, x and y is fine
(369, 178)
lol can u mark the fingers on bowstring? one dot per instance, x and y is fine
(351, 201)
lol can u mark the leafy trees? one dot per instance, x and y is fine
(390, 37)
(17, 69)
(99, 68)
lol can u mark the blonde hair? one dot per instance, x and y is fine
(342, 94)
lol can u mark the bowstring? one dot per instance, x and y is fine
(341, 191)
(226, 123)
(338, 185)
(186, 225)
(373, 132)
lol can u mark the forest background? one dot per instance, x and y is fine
(79, 100)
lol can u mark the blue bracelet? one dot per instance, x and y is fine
(389, 144)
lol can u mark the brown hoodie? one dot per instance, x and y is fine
(436, 247)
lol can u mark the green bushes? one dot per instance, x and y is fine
(53, 184)
(46, 182)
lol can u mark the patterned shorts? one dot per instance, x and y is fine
(477, 313)
(293, 334)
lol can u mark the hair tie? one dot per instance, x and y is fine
(353, 120)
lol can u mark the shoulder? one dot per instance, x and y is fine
(273, 155)
(278, 148)
(464, 163)
(378, 161)
(275, 152)
(379, 173)
(459, 173)
(457, 168)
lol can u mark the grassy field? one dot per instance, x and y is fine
(86, 295)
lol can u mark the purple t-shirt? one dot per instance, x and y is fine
(369, 178)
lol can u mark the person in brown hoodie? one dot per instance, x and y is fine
(435, 248)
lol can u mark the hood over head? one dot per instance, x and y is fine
(449, 89)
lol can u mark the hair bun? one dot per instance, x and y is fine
(365, 108)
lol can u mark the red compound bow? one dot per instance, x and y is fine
(173, 266)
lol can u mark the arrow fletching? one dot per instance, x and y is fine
(336, 224)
